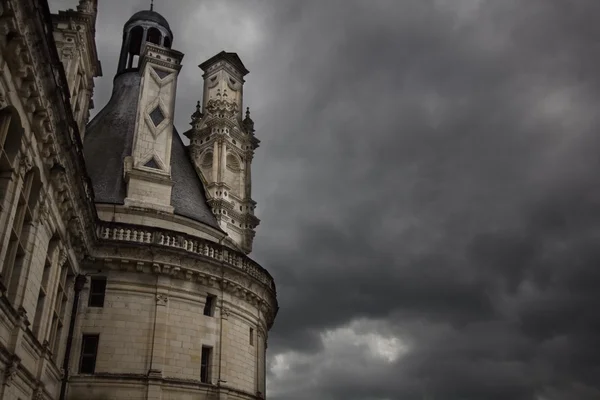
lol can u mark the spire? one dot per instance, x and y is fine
(197, 114)
(151, 5)
(248, 123)
(87, 6)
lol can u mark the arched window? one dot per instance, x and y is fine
(167, 42)
(233, 163)
(136, 35)
(207, 160)
(154, 36)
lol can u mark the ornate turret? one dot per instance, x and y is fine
(223, 145)
(134, 155)
(248, 123)
(197, 115)
(74, 33)
(143, 27)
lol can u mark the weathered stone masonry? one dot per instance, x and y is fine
(170, 306)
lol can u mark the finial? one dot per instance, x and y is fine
(248, 123)
(87, 6)
(198, 114)
(151, 5)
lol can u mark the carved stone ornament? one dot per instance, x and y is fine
(46, 347)
(62, 257)
(221, 106)
(25, 164)
(11, 369)
(225, 313)
(22, 315)
(162, 299)
(43, 211)
(67, 53)
(38, 394)
(86, 7)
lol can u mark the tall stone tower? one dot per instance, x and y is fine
(148, 169)
(174, 303)
(222, 145)
(75, 37)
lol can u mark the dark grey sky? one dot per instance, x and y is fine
(428, 184)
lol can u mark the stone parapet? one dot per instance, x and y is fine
(110, 232)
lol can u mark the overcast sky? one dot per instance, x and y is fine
(428, 183)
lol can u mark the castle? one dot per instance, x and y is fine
(124, 267)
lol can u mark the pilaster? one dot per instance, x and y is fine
(159, 341)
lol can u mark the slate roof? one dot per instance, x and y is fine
(149, 15)
(224, 55)
(109, 139)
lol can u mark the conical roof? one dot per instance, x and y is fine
(109, 139)
(149, 15)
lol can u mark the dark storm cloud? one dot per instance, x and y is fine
(429, 169)
(448, 177)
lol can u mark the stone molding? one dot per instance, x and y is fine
(162, 299)
(133, 248)
(51, 118)
(12, 367)
(156, 377)
(111, 232)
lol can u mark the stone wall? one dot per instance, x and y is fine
(152, 324)
(46, 208)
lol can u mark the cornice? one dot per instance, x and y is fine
(164, 57)
(89, 20)
(143, 249)
(157, 378)
(33, 58)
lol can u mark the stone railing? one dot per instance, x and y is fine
(115, 232)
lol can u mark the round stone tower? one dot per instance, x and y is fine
(172, 307)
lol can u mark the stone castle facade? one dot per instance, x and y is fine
(124, 267)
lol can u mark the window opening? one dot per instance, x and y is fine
(89, 351)
(97, 292)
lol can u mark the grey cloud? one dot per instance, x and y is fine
(428, 164)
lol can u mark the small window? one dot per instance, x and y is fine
(251, 336)
(97, 292)
(153, 36)
(205, 364)
(209, 306)
(89, 350)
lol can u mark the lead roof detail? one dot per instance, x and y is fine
(109, 139)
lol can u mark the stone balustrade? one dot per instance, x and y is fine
(111, 232)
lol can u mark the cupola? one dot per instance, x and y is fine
(143, 27)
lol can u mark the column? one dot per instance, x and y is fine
(159, 342)
(215, 166)
(223, 160)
